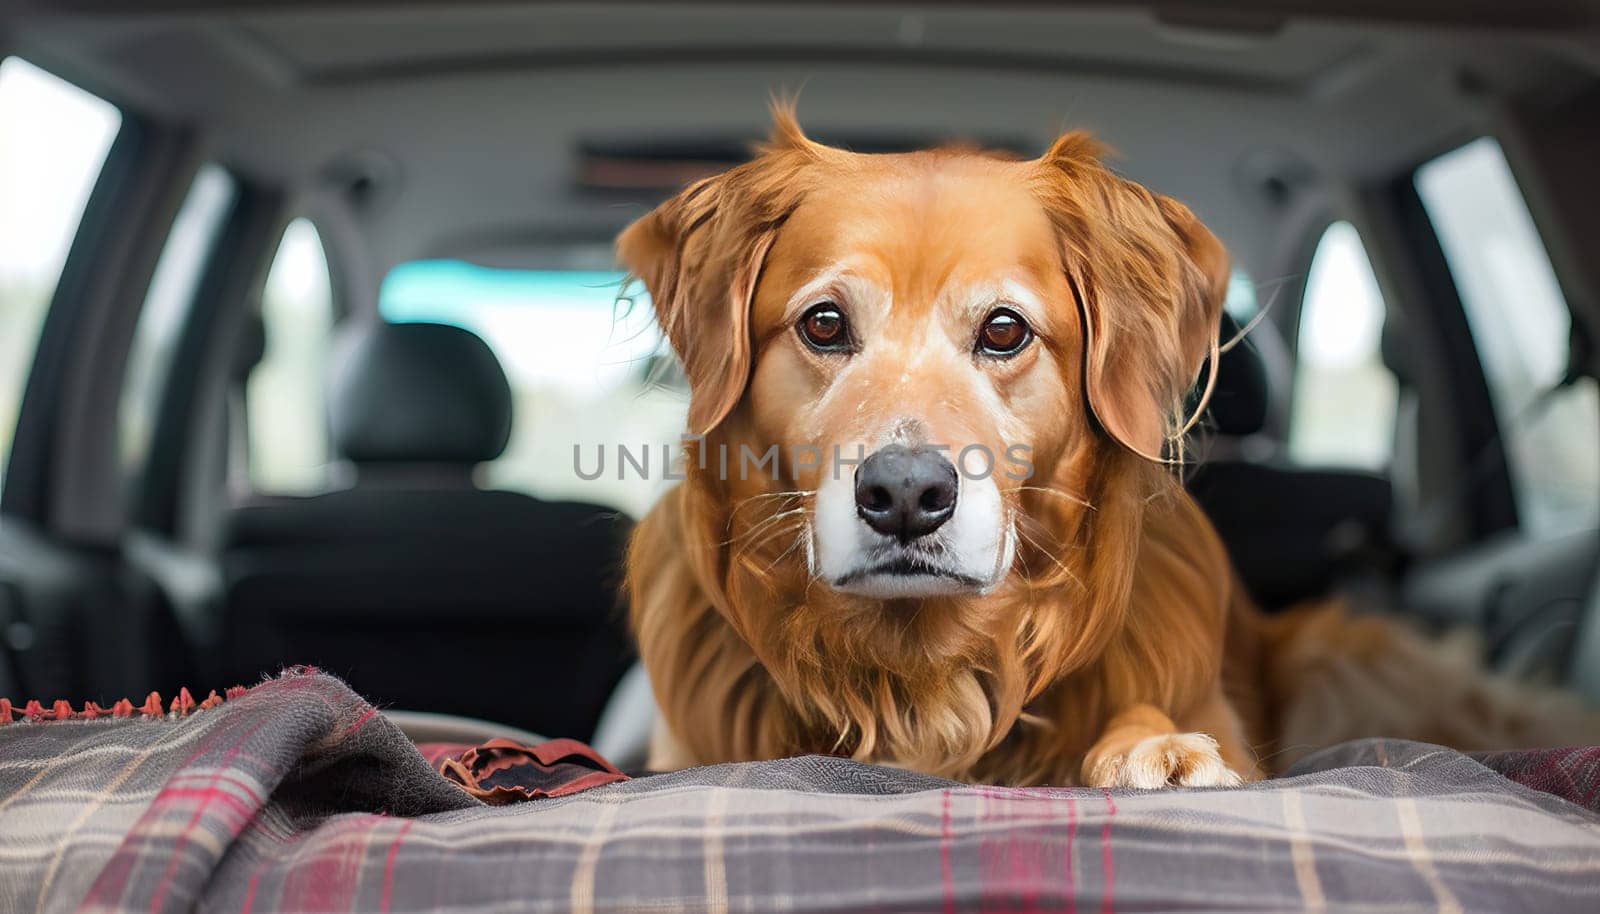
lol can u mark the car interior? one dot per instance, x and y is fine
(312, 335)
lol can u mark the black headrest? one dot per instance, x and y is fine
(417, 393)
(1240, 399)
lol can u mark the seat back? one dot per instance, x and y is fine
(423, 591)
(1293, 532)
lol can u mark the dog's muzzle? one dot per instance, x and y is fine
(906, 493)
(908, 524)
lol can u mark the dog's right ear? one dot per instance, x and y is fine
(701, 294)
(700, 254)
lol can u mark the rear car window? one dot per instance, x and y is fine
(1345, 398)
(286, 425)
(1522, 328)
(53, 142)
(586, 364)
(1241, 302)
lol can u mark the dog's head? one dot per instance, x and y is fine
(945, 349)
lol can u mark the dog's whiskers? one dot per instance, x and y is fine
(760, 500)
(1059, 493)
(749, 539)
(1039, 528)
(1039, 548)
(785, 553)
(789, 493)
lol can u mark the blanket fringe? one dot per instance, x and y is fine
(182, 705)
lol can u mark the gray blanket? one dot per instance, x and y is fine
(296, 796)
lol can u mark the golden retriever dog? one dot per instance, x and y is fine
(933, 519)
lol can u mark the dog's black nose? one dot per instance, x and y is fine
(905, 492)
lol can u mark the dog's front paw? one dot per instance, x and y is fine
(1173, 759)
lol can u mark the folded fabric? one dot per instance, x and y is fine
(503, 771)
(297, 795)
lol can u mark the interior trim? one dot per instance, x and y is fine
(404, 69)
(183, 447)
(90, 493)
(1488, 14)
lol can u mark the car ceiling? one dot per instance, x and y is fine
(464, 121)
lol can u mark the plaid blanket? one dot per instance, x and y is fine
(296, 795)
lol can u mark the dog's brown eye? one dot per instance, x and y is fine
(1003, 333)
(824, 329)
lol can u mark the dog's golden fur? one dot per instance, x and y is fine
(1118, 646)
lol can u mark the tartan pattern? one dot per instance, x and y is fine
(297, 796)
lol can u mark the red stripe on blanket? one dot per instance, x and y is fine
(1107, 858)
(947, 877)
(388, 864)
(1072, 832)
(365, 716)
(1013, 856)
(113, 879)
(327, 881)
(250, 891)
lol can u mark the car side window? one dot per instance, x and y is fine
(1345, 398)
(53, 142)
(166, 306)
(286, 427)
(1522, 329)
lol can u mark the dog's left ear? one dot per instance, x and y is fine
(1150, 281)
